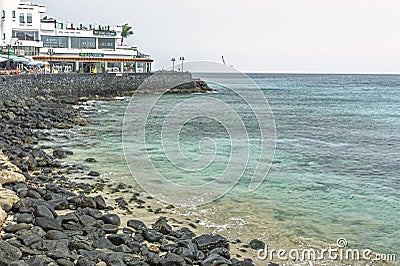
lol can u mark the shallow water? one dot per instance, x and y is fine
(336, 168)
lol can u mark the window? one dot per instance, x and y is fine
(26, 35)
(29, 18)
(4, 36)
(54, 42)
(3, 14)
(13, 14)
(105, 43)
(28, 51)
(22, 18)
(79, 43)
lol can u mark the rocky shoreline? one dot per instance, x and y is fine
(53, 220)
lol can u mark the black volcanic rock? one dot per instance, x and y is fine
(222, 252)
(13, 228)
(33, 194)
(111, 219)
(162, 226)
(136, 224)
(48, 223)
(62, 204)
(25, 218)
(43, 211)
(152, 235)
(8, 253)
(118, 239)
(209, 242)
(90, 160)
(172, 259)
(100, 202)
(215, 259)
(109, 228)
(94, 173)
(257, 244)
(60, 154)
(103, 242)
(64, 262)
(56, 235)
(85, 261)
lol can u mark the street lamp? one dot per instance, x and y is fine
(182, 58)
(173, 64)
(50, 52)
(90, 64)
(8, 56)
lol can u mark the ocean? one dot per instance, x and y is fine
(335, 171)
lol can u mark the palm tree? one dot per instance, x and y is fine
(126, 32)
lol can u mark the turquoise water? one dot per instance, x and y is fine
(336, 168)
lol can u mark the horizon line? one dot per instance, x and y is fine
(299, 73)
(322, 72)
(234, 70)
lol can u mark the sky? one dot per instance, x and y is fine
(300, 36)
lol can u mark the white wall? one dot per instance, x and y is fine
(8, 23)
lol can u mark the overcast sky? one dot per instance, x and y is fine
(346, 36)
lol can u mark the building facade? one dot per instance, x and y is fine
(25, 30)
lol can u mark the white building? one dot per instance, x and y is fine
(26, 30)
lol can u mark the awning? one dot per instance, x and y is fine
(37, 63)
(91, 59)
(15, 58)
(3, 59)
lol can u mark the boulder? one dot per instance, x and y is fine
(162, 226)
(8, 253)
(208, 242)
(90, 160)
(7, 197)
(257, 244)
(118, 239)
(60, 154)
(103, 242)
(100, 202)
(48, 223)
(94, 173)
(152, 235)
(43, 211)
(136, 224)
(13, 228)
(172, 259)
(56, 235)
(111, 219)
(25, 218)
(215, 260)
(109, 228)
(9, 173)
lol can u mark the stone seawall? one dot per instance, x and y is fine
(97, 85)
